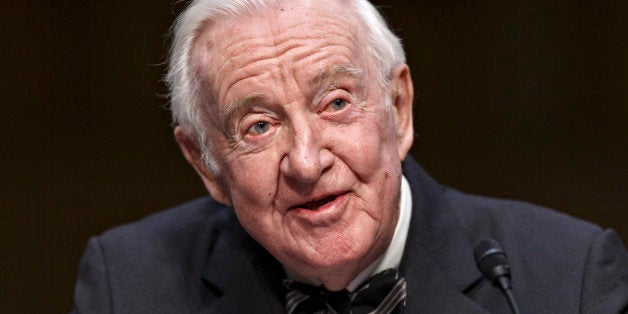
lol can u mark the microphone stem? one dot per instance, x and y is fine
(511, 301)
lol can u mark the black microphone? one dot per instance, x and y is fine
(493, 264)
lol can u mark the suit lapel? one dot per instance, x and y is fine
(438, 260)
(431, 291)
(245, 277)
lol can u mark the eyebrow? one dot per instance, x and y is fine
(337, 71)
(240, 104)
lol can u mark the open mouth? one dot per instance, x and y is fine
(316, 204)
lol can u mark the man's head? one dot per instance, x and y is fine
(297, 113)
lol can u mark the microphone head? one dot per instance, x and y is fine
(491, 259)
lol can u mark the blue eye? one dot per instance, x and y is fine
(260, 127)
(338, 104)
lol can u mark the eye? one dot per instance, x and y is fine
(338, 104)
(259, 127)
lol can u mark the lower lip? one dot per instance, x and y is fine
(325, 214)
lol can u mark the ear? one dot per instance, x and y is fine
(193, 154)
(402, 100)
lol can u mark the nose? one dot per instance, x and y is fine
(306, 159)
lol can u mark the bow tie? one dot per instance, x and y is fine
(382, 293)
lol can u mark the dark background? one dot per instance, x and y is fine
(517, 99)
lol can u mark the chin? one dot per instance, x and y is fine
(337, 256)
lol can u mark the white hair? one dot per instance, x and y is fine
(186, 100)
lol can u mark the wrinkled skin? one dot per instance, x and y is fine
(309, 154)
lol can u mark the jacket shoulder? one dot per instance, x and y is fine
(549, 251)
(485, 216)
(176, 238)
(172, 226)
(154, 264)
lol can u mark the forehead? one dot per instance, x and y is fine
(296, 34)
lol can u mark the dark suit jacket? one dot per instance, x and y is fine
(197, 258)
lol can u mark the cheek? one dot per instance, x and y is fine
(368, 144)
(253, 189)
(253, 181)
(370, 151)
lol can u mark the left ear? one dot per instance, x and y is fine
(402, 98)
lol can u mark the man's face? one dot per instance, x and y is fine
(308, 151)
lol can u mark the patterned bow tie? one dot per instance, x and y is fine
(382, 293)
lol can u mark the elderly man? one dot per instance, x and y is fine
(297, 115)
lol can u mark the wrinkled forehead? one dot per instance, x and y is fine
(290, 13)
(235, 40)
